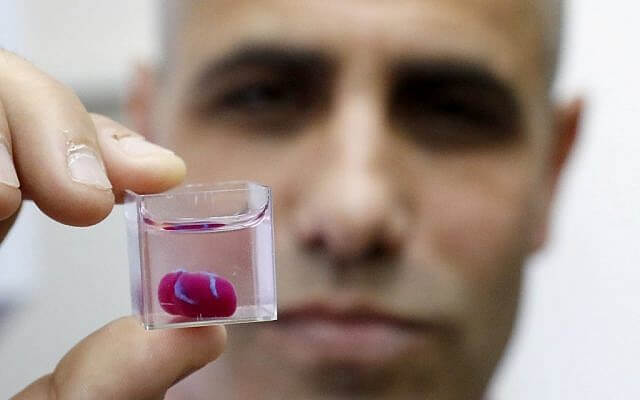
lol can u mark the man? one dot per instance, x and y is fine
(413, 150)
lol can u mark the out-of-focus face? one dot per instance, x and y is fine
(408, 145)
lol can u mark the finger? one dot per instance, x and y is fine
(6, 224)
(134, 163)
(123, 361)
(10, 195)
(55, 149)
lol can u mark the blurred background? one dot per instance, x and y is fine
(577, 337)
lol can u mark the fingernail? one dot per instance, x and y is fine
(138, 147)
(8, 174)
(85, 167)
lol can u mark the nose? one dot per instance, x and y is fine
(353, 209)
(352, 215)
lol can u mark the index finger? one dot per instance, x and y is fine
(54, 145)
(68, 161)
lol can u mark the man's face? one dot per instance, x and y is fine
(407, 144)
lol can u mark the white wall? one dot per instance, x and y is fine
(91, 45)
(577, 337)
(579, 333)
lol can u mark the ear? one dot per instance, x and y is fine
(140, 99)
(566, 125)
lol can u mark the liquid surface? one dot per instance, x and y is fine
(233, 222)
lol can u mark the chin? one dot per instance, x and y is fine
(290, 369)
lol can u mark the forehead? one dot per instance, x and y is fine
(502, 35)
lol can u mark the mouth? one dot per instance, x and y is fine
(350, 334)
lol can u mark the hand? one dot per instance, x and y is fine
(74, 166)
(69, 162)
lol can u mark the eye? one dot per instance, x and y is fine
(448, 114)
(260, 97)
(460, 106)
(267, 104)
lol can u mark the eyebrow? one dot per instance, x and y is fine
(462, 71)
(458, 73)
(265, 56)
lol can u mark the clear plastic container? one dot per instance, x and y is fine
(202, 255)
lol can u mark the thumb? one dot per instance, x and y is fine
(123, 361)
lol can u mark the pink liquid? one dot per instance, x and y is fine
(237, 249)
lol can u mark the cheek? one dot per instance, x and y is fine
(285, 164)
(480, 216)
(212, 156)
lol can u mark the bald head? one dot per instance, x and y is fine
(552, 21)
(545, 16)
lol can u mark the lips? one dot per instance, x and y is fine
(358, 335)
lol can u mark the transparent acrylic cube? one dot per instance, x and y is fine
(202, 255)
